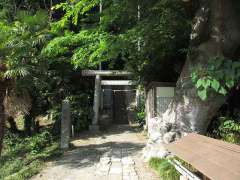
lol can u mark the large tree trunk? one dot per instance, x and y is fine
(216, 32)
(3, 87)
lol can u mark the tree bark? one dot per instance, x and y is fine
(215, 32)
(2, 113)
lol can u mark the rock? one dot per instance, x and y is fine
(153, 125)
(127, 161)
(155, 136)
(155, 150)
(169, 137)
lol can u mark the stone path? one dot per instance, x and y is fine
(112, 155)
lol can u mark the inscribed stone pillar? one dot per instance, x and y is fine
(65, 124)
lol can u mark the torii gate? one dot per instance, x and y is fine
(98, 82)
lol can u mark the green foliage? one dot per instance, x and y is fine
(81, 111)
(16, 72)
(229, 130)
(141, 117)
(26, 172)
(85, 47)
(73, 38)
(220, 75)
(25, 33)
(24, 157)
(23, 37)
(73, 12)
(164, 168)
(81, 37)
(225, 128)
(141, 111)
(37, 143)
(186, 165)
(158, 34)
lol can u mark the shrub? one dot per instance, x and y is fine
(229, 130)
(24, 157)
(81, 113)
(164, 168)
(225, 128)
(38, 142)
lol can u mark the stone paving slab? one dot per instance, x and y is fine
(113, 155)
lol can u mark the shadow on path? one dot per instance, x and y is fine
(86, 156)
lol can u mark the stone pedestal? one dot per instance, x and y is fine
(65, 125)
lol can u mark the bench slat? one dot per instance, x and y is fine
(216, 159)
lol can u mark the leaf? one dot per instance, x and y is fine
(223, 91)
(194, 77)
(199, 83)
(16, 72)
(203, 94)
(215, 85)
(206, 83)
(230, 83)
(59, 6)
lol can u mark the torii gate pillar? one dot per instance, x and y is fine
(94, 126)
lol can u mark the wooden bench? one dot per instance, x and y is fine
(215, 159)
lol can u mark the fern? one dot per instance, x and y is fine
(16, 72)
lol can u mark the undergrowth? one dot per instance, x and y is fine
(164, 168)
(24, 157)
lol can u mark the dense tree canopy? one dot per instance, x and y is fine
(122, 35)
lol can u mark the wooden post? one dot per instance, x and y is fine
(65, 125)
